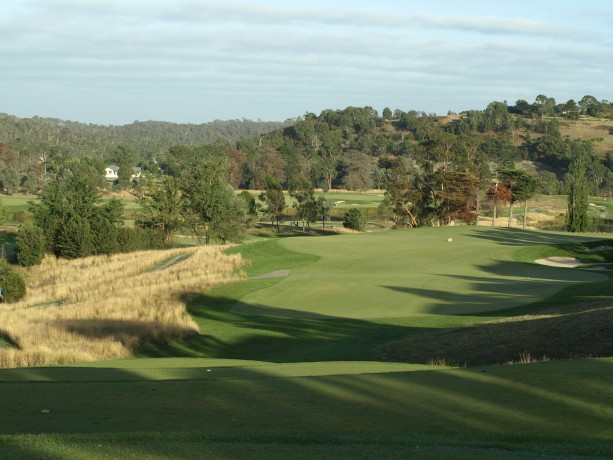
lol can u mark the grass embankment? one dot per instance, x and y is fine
(106, 306)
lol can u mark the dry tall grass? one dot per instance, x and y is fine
(590, 128)
(103, 307)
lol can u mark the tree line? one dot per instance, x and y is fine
(434, 171)
(33, 148)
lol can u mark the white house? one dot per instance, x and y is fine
(110, 172)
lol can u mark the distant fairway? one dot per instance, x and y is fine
(409, 273)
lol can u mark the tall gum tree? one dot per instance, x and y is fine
(522, 186)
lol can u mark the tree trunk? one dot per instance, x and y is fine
(510, 214)
(494, 215)
(525, 212)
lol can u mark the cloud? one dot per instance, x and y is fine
(211, 52)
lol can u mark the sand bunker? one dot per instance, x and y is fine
(565, 262)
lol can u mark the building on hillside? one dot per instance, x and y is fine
(110, 173)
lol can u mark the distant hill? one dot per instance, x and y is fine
(143, 138)
(355, 148)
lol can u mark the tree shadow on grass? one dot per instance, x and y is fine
(129, 333)
(517, 408)
(515, 288)
(580, 325)
(260, 332)
(520, 237)
(276, 335)
(575, 335)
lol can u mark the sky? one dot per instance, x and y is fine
(193, 61)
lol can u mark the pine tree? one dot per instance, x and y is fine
(30, 245)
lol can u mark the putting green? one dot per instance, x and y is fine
(409, 273)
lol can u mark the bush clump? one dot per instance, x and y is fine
(354, 220)
(30, 245)
(13, 287)
(12, 284)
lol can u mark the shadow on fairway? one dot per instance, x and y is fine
(570, 400)
(520, 237)
(276, 335)
(513, 290)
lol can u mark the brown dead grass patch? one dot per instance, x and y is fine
(587, 129)
(104, 307)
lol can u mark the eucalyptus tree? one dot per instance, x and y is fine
(210, 206)
(251, 207)
(329, 161)
(305, 202)
(323, 207)
(458, 199)
(162, 206)
(359, 171)
(274, 199)
(404, 196)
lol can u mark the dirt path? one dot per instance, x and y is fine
(173, 260)
(275, 274)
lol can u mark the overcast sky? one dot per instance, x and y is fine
(193, 61)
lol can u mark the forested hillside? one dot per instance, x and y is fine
(32, 147)
(355, 148)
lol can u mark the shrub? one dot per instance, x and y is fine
(137, 239)
(22, 216)
(12, 284)
(469, 217)
(354, 220)
(30, 245)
